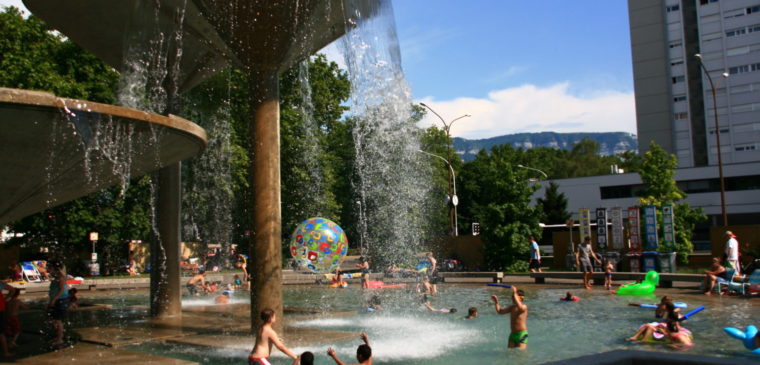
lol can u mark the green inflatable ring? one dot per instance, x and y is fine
(646, 287)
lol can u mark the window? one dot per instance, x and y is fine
(705, 2)
(737, 51)
(678, 79)
(722, 131)
(753, 9)
(750, 147)
(681, 116)
(672, 8)
(734, 13)
(742, 31)
(744, 68)
(678, 98)
(675, 44)
(676, 62)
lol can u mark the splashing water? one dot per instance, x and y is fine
(393, 182)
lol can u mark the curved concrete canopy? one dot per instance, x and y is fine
(257, 34)
(53, 150)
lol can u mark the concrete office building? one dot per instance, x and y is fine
(674, 107)
(674, 100)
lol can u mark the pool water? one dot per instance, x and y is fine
(403, 334)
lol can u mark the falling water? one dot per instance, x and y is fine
(393, 182)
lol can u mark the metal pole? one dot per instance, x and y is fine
(453, 223)
(454, 198)
(717, 139)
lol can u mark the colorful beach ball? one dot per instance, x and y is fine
(319, 245)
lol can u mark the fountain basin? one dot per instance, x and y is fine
(53, 150)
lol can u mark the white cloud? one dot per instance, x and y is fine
(529, 108)
(16, 3)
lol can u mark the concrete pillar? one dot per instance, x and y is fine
(165, 294)
(266, 249)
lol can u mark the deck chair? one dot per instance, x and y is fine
(753, 284)
(29, 272)
(731, 284)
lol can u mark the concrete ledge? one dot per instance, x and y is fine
(631, 357)
(666, 279)
(463, 277)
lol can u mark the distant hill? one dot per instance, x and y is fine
(610, 143)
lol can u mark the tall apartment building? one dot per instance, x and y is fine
(674, 99)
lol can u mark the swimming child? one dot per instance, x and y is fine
(679, 339)
(518, 316)
(472, 313)
(569, 297)
(223, 299)
(306, 358)
(265, 339)
(608, 269)
(237, 282)
(363, 353)
(425, 305)
(374, 304)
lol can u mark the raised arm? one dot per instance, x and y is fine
(516, 299)
(498, 308)
(364, 338)
(335, 358)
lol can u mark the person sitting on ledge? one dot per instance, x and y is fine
(711, 275)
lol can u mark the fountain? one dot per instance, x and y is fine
(263, 37)
(74, 131)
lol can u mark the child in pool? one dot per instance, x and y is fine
(265, 339)
(679, 339)
(569, 297)
(237, 282)
(306, 358)
(518, 311)
(608, 269)
(472, 313)
(363, 353)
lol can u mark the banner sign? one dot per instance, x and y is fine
(585, 223)
(616, 216)
(668, 232)
(634, 228)
(650, 224)
(601, 228)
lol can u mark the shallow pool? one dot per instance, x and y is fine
(402, 334)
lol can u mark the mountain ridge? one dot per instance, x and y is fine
(610, 143)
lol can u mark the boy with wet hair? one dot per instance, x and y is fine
(518, 311)
(306, 358)
(363, 353)
(472, 313)
(265, 339)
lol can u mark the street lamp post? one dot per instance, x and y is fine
(454, 200)
(534, 169)
(452, 183)
(717, 140)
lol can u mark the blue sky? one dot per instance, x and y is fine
(520, 66)
(517, 65)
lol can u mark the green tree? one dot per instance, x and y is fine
(496, 194)
(657, 173)
(553, 205)
(33, 57)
